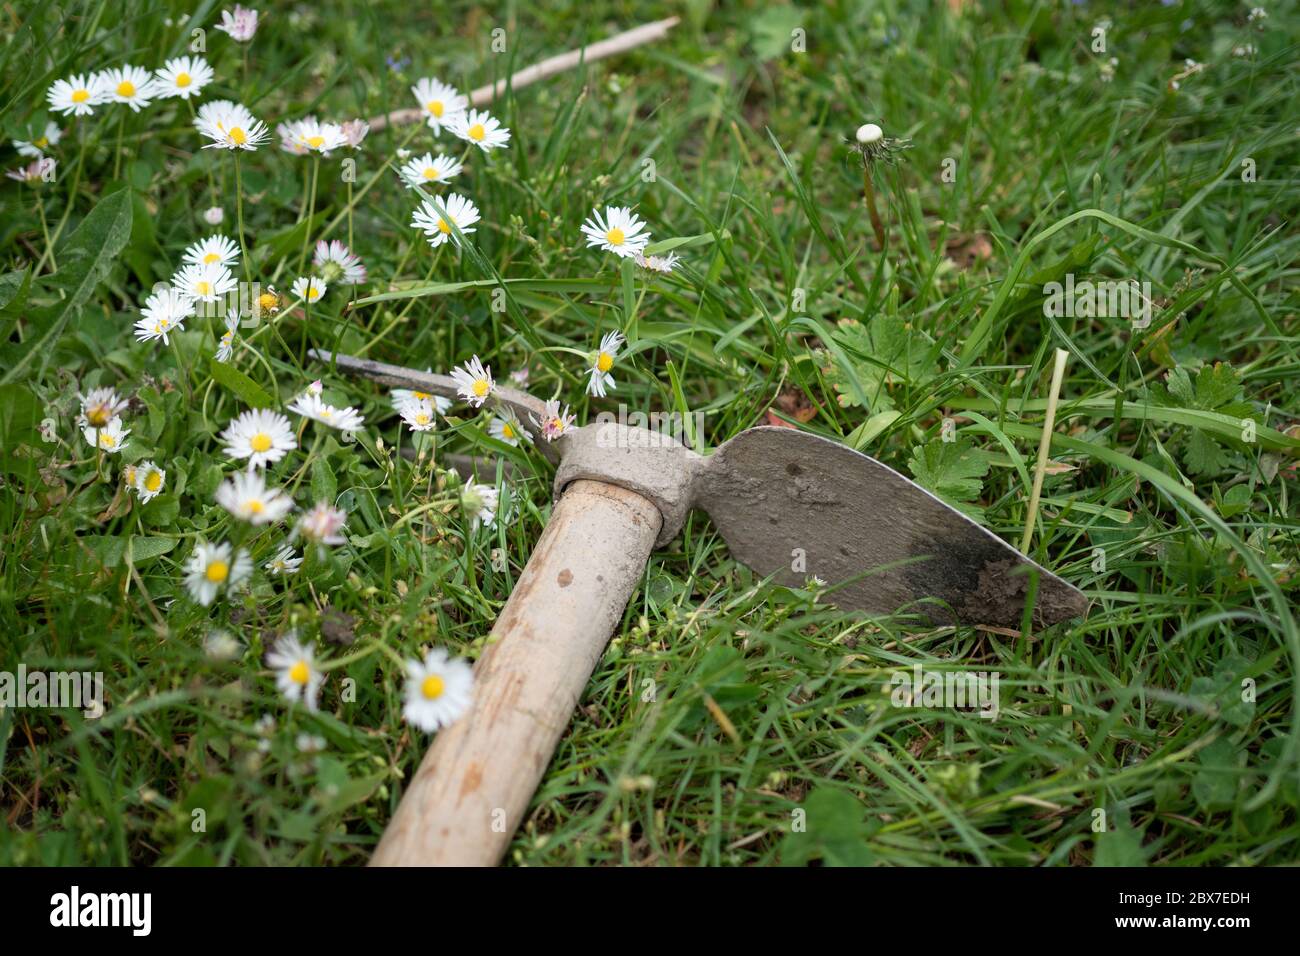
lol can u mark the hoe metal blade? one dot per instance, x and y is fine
(882, 542)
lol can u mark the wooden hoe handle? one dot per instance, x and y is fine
(476, 780)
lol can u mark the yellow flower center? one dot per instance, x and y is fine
(80, 96)
(507, 430)
(557, 425)
(481, 387)
(203, 288)
(163, 325)
(154, 481)
(434, 107)
(431, 172)
(267, 301)
(420, 395)
(615, 237)
(299, 673)
(316, 142)
(422, 418)
(260, 442)
(238, 136)
(210, 258)
(183, 80)
(126, 88)
(432, 687)
(97, 416)
(477, 132)
(217, 571)
(254, 506)
(107, 440)
(313, 293)
(604, 361)
(443, 227)
(41, 143)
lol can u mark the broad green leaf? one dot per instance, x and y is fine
(953, 471)
(233, 380)
(84, 260)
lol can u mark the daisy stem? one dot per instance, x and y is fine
(333, 224)
(184, 369)
(397, 320)
(869, 192)
(239, 217)
(117, 155)
(349, 211)
(311, 211)
(72, 199)
(45, 227)
(311, 455)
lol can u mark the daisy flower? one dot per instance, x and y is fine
(426, 170)
(474, 381)
(418, 413)
(664, 264)
(215, 566)
(310, 405)
(214, 215)
(455, 208)
(317, 137)
(226, 347)
(78, 95)
(288, 133)
(148, 480)
(164, 312)
(619, 231)
(601, 363)
(38, 170)
(286, 561)
(440, 102)
(205, 282)
(36, 148)
(261, 436)
(110, 438)
(247, 497)
(296, 674)
(230, 126)
(554, 422)
(480, 128)
(507, 429)
(131, 85)
(308, 288)
(240, 25)
(480, 502)
(183, 76)
(322, 524)
(335, 262)
(217, 249)
(354, 131)
(100, 406)
(268, 302)
(399, 396)
(438, 690)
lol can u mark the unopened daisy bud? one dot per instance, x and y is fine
(221, 646)
(438, 690)
(354, 131)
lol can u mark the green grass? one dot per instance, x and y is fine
(1137, 710)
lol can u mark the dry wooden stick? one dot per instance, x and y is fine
(619, 43)
(1044, 444)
